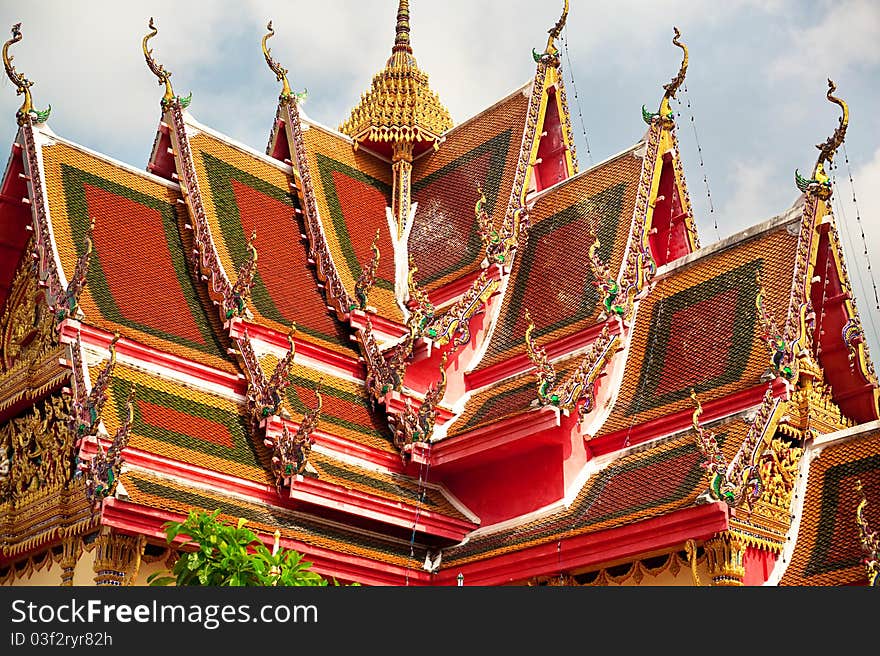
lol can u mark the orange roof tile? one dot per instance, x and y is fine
(242, 193)
(147, 294)
(699, 328)
(444, 241)
(551, 276)
(650, 481)
(352, 189)
(827, 550)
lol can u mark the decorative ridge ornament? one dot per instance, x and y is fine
(265, 394)
(605, 283)
(545, 371)
(551, 52)
(421, 308)
(159, 71)
(85, 411)
(367, 279)
(70, 305)
(411, 425)
(665, 114)
(290, 456)
(820, 182)
(488, 234)
(101, 472)
(870, 540)
(22, 85)
(280, 72)
(400, 105)
(739, 481)
(240, 292)
(455, 323)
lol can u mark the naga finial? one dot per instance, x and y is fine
(280, 72)
(677, 81)
(158, 69)
(21, 83)
(820, 183)
(551, 52)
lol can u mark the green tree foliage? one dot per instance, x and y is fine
(219, 554)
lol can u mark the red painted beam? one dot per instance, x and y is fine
(538, 427)
(570, 554)
(128, 348)
(349, 365)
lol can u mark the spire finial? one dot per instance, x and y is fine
(21, 83)
(821, 181)
(677, 81)
(401, 37)
(555, 31)
(157, 69)
(280, 72)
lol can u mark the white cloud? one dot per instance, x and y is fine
(845, 37)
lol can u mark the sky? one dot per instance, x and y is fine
(755, 85)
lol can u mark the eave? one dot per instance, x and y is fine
(592, 550)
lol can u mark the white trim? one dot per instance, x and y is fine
(790, 215)
(50, 137)
(189, 121)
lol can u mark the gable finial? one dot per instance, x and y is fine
(821, 181)
(280, 72)
(551, 52)
(158, 69)
(665, 113)
(21, 83)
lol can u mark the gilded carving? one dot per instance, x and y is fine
(36, 449)
(27, 328)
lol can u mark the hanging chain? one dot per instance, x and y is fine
(576, 99)
(861, 229)
(423, 479)
(702, 164)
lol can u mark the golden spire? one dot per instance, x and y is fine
(22, 84)
(280, 73)
(158, 70)
(400, 105)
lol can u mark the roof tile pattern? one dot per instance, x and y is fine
(152, 492)
(147, 294)
(352, 190)
(445, 241)
(186, 425)
(699, 328)
(827, 551)
(507, 399)
(551, 276)
(651, 481)
(242, 193)
(347, 411)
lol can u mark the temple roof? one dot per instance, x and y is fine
(147, 295)
(827, 548)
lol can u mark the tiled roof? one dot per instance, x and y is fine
(187, 425)
(242, 193)
(827, 550)
(551, 276)
(148, 294)
(444, 241)
(699, 328)
(162, 494)
(347, 411)
(352, 189)
(651, 481)
(507, 399)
